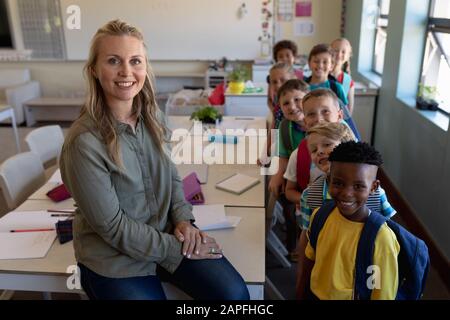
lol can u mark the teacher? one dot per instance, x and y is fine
(133, 228)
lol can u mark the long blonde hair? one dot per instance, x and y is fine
(346, 65)
(95, 108)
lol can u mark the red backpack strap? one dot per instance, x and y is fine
(303, 165)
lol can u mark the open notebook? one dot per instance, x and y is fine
(26, 245)
(237, 183)
(212, 217)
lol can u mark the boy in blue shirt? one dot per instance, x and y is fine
(321, 62)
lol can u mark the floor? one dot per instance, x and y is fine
(282, 278)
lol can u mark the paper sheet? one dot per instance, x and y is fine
(56, 177)
(26, 245)
(212, 217)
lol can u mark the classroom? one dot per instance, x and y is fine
(271, 142)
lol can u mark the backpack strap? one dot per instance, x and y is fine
(364, 254)
(352, 126)
(284, 128)
(303, 165)
(319, 221)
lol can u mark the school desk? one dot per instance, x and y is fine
(244, 246)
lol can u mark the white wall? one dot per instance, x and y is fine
(59, 78)
(326, 15)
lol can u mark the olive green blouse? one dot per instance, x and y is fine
(123, 217)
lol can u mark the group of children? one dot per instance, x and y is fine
(320, 159)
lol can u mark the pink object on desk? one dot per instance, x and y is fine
(59, 193)
(192, 189)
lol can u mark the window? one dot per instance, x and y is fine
(380, 36)
(5, 34)
(436, 61)
(42, 28)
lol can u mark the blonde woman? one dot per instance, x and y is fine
(133, 227)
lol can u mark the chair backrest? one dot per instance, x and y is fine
(46, 142)
(20, 176)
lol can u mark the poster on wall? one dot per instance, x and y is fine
(303, 9)
(304, 28)
(285, 10)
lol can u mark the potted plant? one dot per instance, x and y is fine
(207, 114)
(237, 79)
(426, 98)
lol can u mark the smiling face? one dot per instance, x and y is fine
(321, 65)
(278, 77)
(121, 69)
(342, 51)
(320, 109)
(291, 105)
(320, 148)
(350, 185)
(285, 55)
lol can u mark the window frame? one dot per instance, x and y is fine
(379, 28)
(434, 26)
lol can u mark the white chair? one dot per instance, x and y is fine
(16, 88)
(46, 142)
(20, 176)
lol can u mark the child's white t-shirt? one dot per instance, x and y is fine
(291, 170)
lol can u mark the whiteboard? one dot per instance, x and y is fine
(174, 29)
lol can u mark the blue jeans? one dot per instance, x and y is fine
(201, 279)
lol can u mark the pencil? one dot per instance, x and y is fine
(31, 230)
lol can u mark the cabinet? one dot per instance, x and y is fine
(365, 109)
(248, 104)
(214, 78)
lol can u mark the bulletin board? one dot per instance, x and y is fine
(174, 29)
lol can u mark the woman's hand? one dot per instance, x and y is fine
(209, 249)
(190, 236)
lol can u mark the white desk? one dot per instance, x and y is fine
(52, 108)
(7, 112)
(248, 104)
(254, 197)
(244, 246)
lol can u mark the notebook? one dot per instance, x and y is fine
(192, 190)
(212, 217)
(237, 183)
(26, 245)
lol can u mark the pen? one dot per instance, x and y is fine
(61, 210)
(31, 230)
(62, 215)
